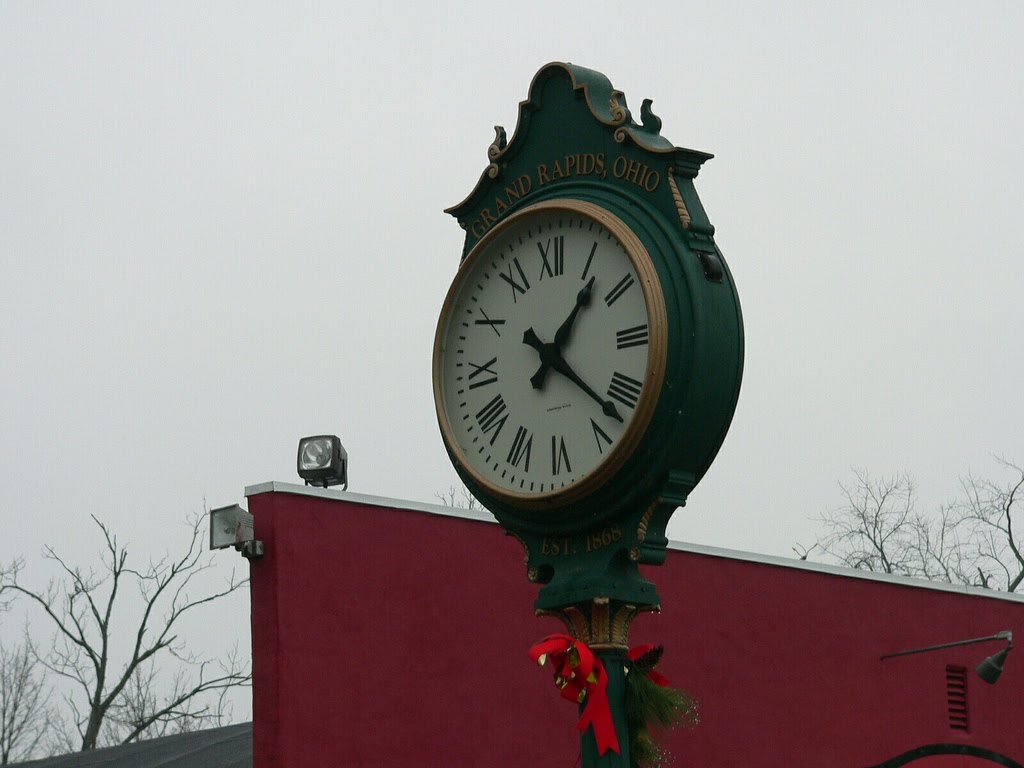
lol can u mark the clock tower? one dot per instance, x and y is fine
(588, 355)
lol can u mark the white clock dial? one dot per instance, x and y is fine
(550, 351)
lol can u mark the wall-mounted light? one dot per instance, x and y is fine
(322, 461)
(989, 670)
(233, 526)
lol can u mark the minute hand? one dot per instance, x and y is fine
(562, 334)
(582, 300)
(558, 363)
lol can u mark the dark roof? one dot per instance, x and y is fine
(227, 747)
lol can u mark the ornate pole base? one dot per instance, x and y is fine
(603, 624)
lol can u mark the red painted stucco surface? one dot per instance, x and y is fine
(390, 637)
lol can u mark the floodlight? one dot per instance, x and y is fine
(233, 526)
(322, 461)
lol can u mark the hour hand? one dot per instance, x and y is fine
(530, 338)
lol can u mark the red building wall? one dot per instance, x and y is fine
(385, 636)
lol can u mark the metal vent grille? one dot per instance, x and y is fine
(956, 697)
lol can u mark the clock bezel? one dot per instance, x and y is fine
(647, 277)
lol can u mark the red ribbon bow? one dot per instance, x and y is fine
(581, 677)
(638, 652)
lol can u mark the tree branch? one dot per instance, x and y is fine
(82, 608)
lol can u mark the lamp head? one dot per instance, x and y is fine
(230, 526)
(991, 668)
(322, 461)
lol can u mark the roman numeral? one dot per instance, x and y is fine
(556, 248)
(590, 258)
(522, 446)
(618, 290)
(487, 321)
(492, 416)
(558, 456)
(631, 337)
(480, 370)
(600, 435)
(511, 280)
(624, 389)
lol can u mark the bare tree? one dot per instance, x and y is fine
(460, 498)
(113, 699)
(24, 699)
(973, 540)
(874, 530)
(148, 706)
(989, 512)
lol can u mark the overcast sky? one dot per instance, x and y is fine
(221, 229)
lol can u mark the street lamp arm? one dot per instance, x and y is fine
(1006, 635)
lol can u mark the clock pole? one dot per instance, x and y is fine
(614, 660)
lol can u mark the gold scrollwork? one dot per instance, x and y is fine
(620, 135)
(495, 150)
(600, 620)
(645, 521)
(602, 623)
(575, 621)
(622, 621)
(619, 112)
(498, 145)
(684, 214)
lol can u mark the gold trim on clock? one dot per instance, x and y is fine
(654, 376)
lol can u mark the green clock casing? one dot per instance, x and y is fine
(589, 353)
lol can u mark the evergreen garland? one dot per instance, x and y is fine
(652, 702)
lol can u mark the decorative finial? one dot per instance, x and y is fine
(651, 122)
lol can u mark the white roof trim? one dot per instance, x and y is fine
(483, 515)
(275, 486)
(844, 571)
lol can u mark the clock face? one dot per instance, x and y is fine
(550, 353)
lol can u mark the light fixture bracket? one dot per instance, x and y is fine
(988, 670)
